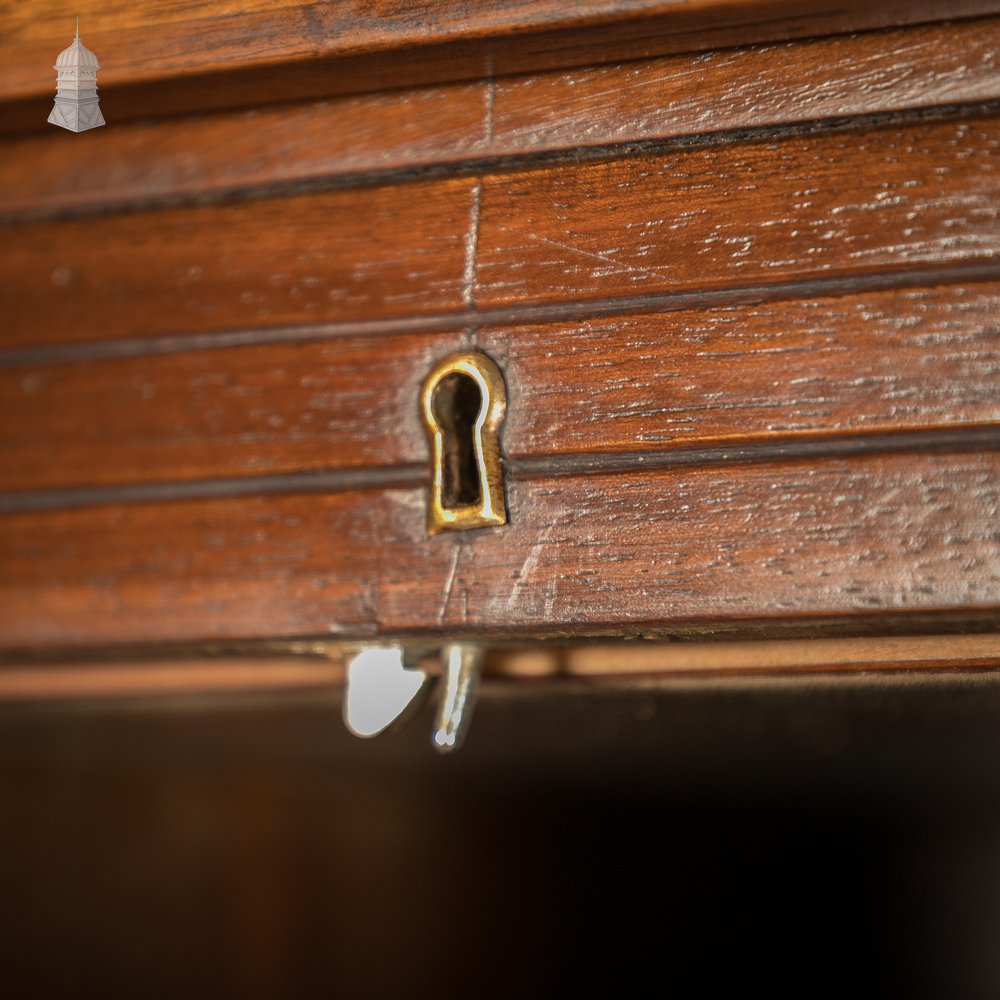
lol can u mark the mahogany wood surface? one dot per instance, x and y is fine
(168, 57)
(841, 204)
(875, 363)
(745, 302)
(377, 252)
(683, 95)
(619, 553)
(844, 203)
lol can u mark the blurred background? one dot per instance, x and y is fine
(795, 836)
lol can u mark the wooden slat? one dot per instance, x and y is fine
(675, 96)
(871, 363)
(168, 57)
(341, 255)
(144, 161)
(743, 88)
(342, 403)
(216, 568)
(830, 205)
(614, 553)
(717, 217)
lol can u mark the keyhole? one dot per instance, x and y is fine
(462, 402)
(457, 404)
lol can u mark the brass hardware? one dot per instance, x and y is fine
(463, 403)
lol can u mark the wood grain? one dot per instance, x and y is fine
(865, 537)
(875, 363)
(147, 161)
(169, 58)
(709, 218)
(763, 85)
(372, 253)
(726, 217)
(682, 95)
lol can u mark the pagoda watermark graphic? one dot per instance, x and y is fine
(76, 105)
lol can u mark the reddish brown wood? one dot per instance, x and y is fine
(609, 553)
(341, 403)
(807, 220)
(144, 161)
(755, 214)
(365, 254)
(179, 59)
(764, 85)
(645, 99)
(872, 363)
(892, 198)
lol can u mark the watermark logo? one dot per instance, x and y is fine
(76, 105)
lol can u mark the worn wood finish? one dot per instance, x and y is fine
(147, 161)
(872, 363)
(177, 59)
(749, 367)
(802, 81)
(849, 204)
(614, 553)
(366, 254)
(726, 217)
(193, 569)
(683, 95)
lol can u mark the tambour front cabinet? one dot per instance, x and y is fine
(642, 356)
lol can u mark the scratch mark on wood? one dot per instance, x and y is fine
(522, 575)
(489, 99)
(617, 265)
(449, 583)
(471, 239)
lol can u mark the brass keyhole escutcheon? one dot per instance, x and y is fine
(463, 403)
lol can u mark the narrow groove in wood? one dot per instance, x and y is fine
(955, 440)
(506, 163)
(313, 51)
(332, 481)
(951, 439)
(522, 313)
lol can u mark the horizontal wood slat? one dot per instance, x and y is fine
(615, 553)
(171, 57)
(148, 160)
(875, 363)
(662, 98)
(840, 204)
(364, 254)
(766, 212)
(872, 363)
(801, 81)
